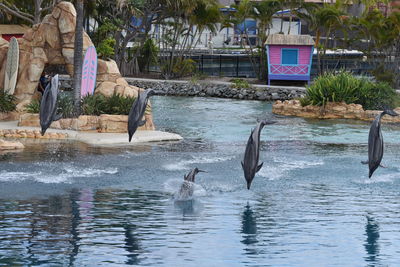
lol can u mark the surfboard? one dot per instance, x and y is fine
(10, 79)
(89, 72)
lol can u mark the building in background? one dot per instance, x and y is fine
(7, 31)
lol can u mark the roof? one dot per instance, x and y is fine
(13, 29)
(281, 39)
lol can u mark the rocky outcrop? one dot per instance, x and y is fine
(8, 145)
(331, 110)
(51, 42)
(103, 123)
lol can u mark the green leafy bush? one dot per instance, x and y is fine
(7, 102)
(106, 48)
(344, 87)
(65, 105)
(33, 107)
(93, 104)
(240, 83)
(99, 104)
(184, 68)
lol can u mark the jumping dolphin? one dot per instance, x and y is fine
(137, 111)
(186, 190)
(251, 155)
(375, 142)
(48, 105)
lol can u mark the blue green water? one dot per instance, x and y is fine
(312, 204)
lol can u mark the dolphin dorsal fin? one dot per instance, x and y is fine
(259, 166)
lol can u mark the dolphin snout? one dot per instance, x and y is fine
(248, 185)
(201, 171)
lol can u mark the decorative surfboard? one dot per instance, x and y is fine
(10, 79)
(89, 72)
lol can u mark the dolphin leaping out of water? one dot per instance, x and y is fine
(137, 111)
(375, 142)
(186, 190)
(48, 105)
(251, 155)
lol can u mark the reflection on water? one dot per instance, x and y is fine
(249, 226)
(371, 243)
(69, 204)
(131, 244)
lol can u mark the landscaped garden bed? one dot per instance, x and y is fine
(342, 96)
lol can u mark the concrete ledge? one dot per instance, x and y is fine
(92, 138)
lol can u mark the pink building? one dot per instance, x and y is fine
(289, 57)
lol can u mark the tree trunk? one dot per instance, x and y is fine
(37, 11)
(78, 47)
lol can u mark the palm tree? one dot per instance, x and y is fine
(263, 12)
(78, 47)
(322, 19)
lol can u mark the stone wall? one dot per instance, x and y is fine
(218, 89)
(212, 89)
(330, 111)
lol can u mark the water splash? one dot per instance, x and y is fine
(185, 164)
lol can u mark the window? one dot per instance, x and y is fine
(290, 56)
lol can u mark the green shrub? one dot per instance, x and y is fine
(65, 105)
(99, 104)
(344, 87)
(106, 48)
(33, 107)
(240, 83)
(7, 102)
(93, 104)
(118, 105)
(184, 68)
(378, 96)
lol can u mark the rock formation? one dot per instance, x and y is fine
(332, 110)
(51, 42)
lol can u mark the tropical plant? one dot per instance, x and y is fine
(33, 107)
(7, 102)
(325, 19)
(106, 48)
(65, 105)
(98, 104)
(184, 67)
(240, 83)
(344, 87)
(93, 104)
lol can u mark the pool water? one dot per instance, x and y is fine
(312, 203)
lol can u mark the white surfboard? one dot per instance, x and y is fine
(10, 79)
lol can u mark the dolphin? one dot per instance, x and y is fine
(137, 112)
(186, 190)
(48, 105)
(375, 142)
(251, 155)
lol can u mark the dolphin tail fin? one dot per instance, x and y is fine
(141, 123)
(259, 166)
(364, 162)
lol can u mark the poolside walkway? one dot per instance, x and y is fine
(100, 139)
